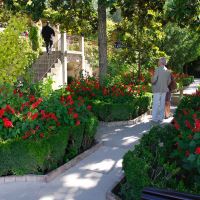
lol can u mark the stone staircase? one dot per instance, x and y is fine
(44, 64)
(71, 50)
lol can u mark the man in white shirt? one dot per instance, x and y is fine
(160, 82)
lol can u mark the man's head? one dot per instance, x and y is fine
(162, 61)
(47, 23)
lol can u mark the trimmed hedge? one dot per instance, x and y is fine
(151, 164)
(27, 156)
(108, 111)
(187, 81)
(18, 157)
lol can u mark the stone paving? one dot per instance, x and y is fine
(92, 177)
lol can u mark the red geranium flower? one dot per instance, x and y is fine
(34, 116)
(89, 107)
(8, 108)
(31, 98)
(77, 123)
(1, 112)
(197, 151)
(75, 115)
(197, 123)
(41, 135)
(176, 125)
(7, 123)
(187, 153)
(188, 125)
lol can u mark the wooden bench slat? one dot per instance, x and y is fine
(152, 197)
(150, 193)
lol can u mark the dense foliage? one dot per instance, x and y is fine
(107, 101)
(167, 157)
(35, 125)
(16, 53)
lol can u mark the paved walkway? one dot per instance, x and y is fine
(92, 177)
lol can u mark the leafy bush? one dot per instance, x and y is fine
(151, 164)
(187, 81)
(41, 133)
(187, 151)
(16, 53)
(35, 38)
(109, 111)
(20, 156)
(107, 102)
(183, 79)
(149, 160)
(24, 113)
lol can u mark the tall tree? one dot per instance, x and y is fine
(183, 12)
(102, 39)
(142, 28)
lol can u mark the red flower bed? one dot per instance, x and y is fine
(23, 113)
(187, 142)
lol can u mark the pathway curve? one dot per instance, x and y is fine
(92, 177)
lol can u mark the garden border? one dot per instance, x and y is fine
(128, 122)
(109, 194)
(53, 174)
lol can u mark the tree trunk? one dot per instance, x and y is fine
(139, 65)
(102, 40)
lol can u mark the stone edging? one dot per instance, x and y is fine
(109, 194)
(129, 122)
(53, 174)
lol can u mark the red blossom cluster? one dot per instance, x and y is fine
(180, 75)
(6, 122)
(91, 89)
(189, 120)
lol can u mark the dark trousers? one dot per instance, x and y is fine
(48, 44)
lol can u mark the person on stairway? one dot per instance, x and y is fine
(48, 33)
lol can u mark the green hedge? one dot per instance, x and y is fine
(108, 111)
(28, 156)
(18, 157)
(151, 164)
(188, 102)
(187, 81)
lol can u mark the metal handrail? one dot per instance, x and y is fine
(48, 62)
(73, 40)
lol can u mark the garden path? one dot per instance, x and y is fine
(92, 177)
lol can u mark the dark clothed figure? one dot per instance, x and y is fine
(172, 86)
(47, 34)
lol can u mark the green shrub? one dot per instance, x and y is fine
(151, 164)
(20, 157)
(189, 102)
(16, 54)
(89, 132)
(35, 38)
(109, 111)
(75, 141)
(187, 151)
(136, 179)
(187, 81)
(28, 156)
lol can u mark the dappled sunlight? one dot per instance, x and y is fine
(119, 164)
(129, 140)
(104, 165)
(76, 181)
(47, 198)
(119, 129)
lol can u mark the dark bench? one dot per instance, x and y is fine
(161, 194)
